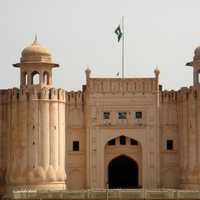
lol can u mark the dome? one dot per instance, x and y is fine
(35, 53)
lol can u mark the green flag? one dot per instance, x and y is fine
(119, 33)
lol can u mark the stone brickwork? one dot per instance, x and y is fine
(52, 139)
(107, 194)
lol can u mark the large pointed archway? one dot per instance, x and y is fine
(123, 172)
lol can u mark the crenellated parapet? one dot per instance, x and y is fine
(117, 85)
(3, 96)
(74, 109)
(168, 108)
(186, 94)
(168, 96)
(74, 98)
(48, 94)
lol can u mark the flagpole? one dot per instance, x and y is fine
(123, 47)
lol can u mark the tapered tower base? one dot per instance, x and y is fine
(39, 186)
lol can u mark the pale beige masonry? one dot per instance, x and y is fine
(53, 139)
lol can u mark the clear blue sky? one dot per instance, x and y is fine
(80, 33)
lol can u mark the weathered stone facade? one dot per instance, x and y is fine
(54, 139)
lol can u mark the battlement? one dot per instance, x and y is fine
(127, 85)
(16, 94)
(3, 96)
(74, 97)
(168, 96)
(192, 92)
(183, 94)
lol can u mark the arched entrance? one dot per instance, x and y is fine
(123, 173)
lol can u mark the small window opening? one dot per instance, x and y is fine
(122, 140)
(138, 115)
(122, 115)
(106, 115)
(170, 145)
(111, 142)
(133, 142)
(75, 145)
(35, 78)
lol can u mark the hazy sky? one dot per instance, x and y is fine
(80, 33)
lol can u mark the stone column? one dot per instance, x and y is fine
(23, 117)
(101, 172)
(198, 131)
(61, 175)
(8, 130)
(30, 109)
(195, 76)
(14, 137)
(145, 163)
(184, 109)
(3, 136)
(54, 131)
(192, 136)
(181, 136)
(44, 128)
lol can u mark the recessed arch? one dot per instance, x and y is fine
(35, 78)
(123, 172)
(132, 149)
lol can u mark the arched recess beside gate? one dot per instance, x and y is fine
(116, 147)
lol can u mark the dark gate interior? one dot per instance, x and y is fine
(123, 173)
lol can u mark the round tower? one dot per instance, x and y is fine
(36, 149)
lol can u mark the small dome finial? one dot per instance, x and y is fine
(157, 71)
(35, 40)
(87, 72)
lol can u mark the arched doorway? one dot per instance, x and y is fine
(123, 173)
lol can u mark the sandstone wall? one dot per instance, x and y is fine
(75, 160)
(169, 159)
(189, 131)
(114, 96)
(4, 123)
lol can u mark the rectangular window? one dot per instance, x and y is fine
(170, 145)
(106, 115)
(138, 115)
(122, 115)
(111, 142)
(122, 140)
(75, 145)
